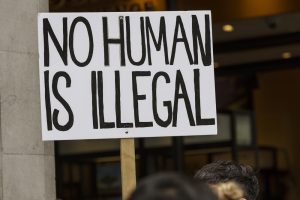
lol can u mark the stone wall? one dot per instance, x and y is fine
(27, 169)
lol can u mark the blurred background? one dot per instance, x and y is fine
(257, 68)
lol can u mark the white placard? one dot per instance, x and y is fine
(126, 75)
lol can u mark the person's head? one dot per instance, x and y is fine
(226, 171)
(228, 191)
(171, 186)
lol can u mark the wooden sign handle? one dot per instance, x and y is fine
(128, 169)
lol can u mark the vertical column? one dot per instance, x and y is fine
(27, 169)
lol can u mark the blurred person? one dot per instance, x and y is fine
(228, 191)
(170, 186)
(229, 171)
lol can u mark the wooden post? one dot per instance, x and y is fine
(128, 169)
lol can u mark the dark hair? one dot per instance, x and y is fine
(170, 186)
(224, 171)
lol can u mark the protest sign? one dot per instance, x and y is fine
(126, 75)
